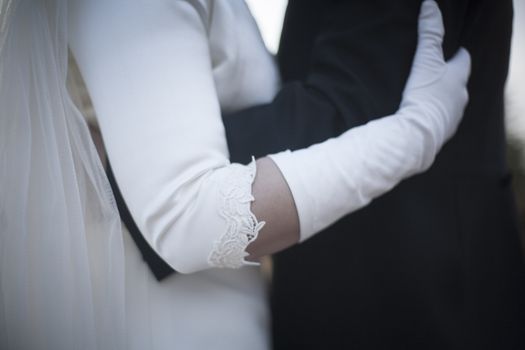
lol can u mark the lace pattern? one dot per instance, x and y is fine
(242, 226)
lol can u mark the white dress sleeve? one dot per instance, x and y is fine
(147, 67)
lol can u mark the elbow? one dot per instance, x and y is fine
(205, 223)
(181, 226)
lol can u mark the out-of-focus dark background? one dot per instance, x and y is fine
(269, 15)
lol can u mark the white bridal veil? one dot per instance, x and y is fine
(61, 252)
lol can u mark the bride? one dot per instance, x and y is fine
(159, 74)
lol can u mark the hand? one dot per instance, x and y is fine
(435, 95)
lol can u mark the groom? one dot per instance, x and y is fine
(436, 263)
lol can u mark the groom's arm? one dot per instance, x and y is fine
(358, 66)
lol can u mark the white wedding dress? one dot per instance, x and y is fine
(46, 298)
(211, 309)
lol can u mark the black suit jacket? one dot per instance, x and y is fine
(434, 264)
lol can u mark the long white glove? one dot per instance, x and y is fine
(333, 178)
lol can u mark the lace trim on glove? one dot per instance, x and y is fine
(242, 225)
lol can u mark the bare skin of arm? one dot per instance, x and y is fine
(275, 205)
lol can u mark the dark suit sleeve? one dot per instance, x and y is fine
(359, 60)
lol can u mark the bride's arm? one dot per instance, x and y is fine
(148, 70)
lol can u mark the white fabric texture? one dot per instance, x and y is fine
(221, 309)
(150, 68)
(216, 308)
(61, 249)
(336, 177)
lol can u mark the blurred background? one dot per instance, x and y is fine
(269, 15)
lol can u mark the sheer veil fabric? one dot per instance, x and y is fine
(61, 249)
